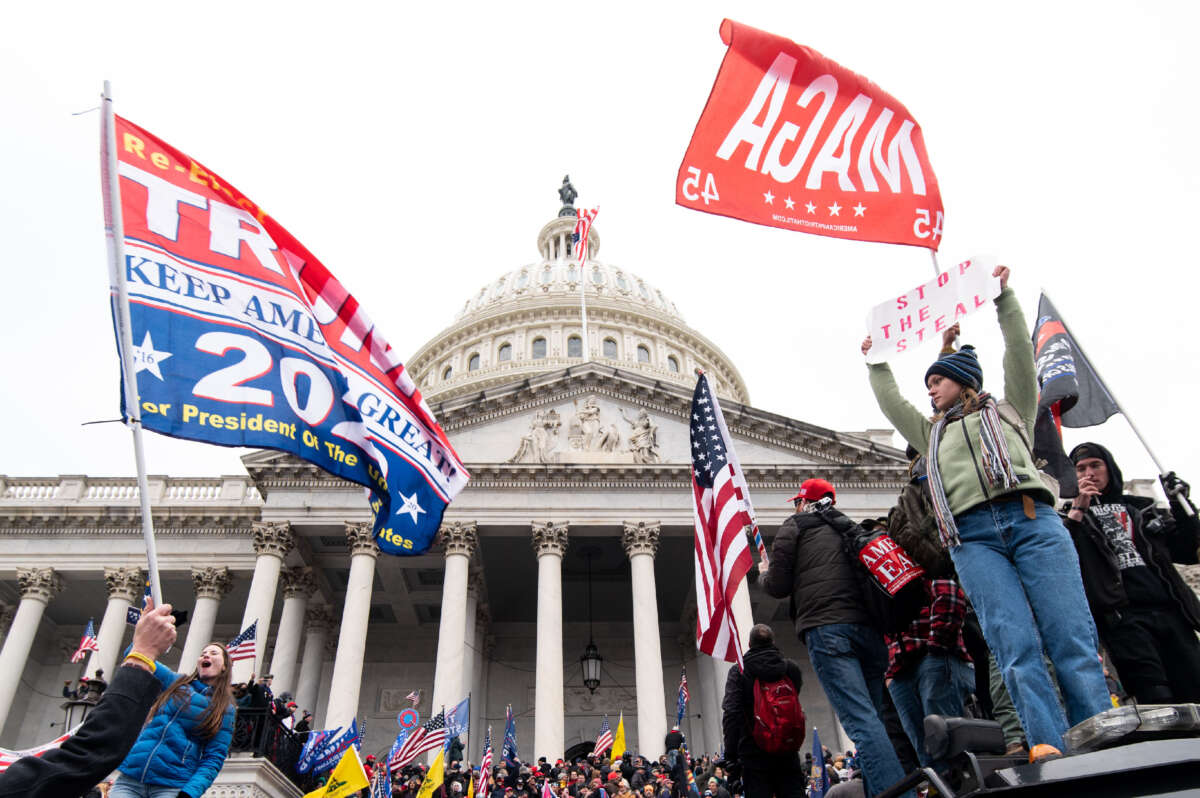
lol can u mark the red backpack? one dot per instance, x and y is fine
(778, 717)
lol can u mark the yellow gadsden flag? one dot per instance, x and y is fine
(618, 746)
(345, 779)
(433, 779)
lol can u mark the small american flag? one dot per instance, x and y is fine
(604, 740)
(721, 502)
(428, 737)
(86, 643)
(242, 646)
(582, 227)
(485, 766)
(414, 697)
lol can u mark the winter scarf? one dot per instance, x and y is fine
(997, 466)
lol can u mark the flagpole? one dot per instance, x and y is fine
(583, 291)
(114, 229)
(937, 270)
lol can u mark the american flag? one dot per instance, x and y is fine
(683, 697)
(7, 756)
(485, 765)
(86, 643)
(722, 514)
(414, 697)
(604, 739)
(582, 227)
(426, 738)
(242, 646)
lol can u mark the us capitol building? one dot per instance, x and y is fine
(576, 527)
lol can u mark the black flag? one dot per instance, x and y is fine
(1071, 393)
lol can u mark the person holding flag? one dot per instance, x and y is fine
(996, 517)
(1146, 614)
(86, 643)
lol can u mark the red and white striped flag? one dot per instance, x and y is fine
(86, 643)
(604, 739)
(485, 765)
(582, 227)
(242, 646)
(7, 756)
(425, 738)
(723, 513)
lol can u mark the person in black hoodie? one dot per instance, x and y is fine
(1146, 615)
(763, 774)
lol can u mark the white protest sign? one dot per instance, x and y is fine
(922, 314)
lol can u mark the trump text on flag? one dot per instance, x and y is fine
(925, 312)
(791, 139)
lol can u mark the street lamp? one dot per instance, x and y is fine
(591, 661)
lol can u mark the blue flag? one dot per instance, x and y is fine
(239, 336)
(328, 750)
(509, 752)
(458, 720)
(820, 778)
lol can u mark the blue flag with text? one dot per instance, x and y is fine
(241, 337)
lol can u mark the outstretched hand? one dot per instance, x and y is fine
(155, 631)
(866, 345)
(1002, 272)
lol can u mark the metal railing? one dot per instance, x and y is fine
(260, 732)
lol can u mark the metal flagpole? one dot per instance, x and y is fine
(937, 270)
(583, 285)
(114, 231)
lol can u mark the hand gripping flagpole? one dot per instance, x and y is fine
(114, 232)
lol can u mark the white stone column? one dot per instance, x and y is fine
(37, 586)
(549, 729)
(125, 586)
(710, 703)
(474, 587)
(352, 641)
(720, 672)
(318, 621)
(640, 540)
(459, 540)
(6, 616)
(211, 584)
(272, 541)
(298, 587)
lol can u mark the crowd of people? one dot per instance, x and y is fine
(1039, 616)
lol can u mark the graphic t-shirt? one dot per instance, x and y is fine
(1142, 585)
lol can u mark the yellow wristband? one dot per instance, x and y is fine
(149, 663)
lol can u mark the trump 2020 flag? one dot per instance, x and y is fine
(791, 139)
(241, 337)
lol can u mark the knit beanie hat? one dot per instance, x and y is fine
(961, 366)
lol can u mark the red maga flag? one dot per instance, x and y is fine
(791, 139)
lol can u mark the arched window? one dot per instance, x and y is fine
(572, 274)
(505, 352)
(522, 280)
(473, 362)
(642, 290)
(643, 353)
(597, 276)
(539, 348)
(574, 346)
(621, 282)
(447, 372)
(610, 348)
(547, 276)
(672, 363)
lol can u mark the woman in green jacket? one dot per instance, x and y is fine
(1014, 557)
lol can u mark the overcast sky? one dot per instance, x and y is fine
(417, 148)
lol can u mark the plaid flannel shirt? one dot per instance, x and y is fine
(938, 628)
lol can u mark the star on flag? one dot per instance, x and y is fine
(146, 357)
(834, 208)
(411, 506)
(858, 209)
(768, 197)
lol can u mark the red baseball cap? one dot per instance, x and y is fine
(814, 490)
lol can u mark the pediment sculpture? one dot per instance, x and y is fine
(591, 437)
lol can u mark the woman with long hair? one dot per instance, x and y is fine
(1014, 557)
(187, 733)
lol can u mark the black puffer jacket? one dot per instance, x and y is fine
(1175, 542)
(764, 664)
(810, 564)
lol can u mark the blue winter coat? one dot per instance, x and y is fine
(168, 754)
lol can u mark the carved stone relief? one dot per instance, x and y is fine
(592, 436)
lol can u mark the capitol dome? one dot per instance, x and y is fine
(529, 321)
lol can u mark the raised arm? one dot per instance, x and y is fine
(910, 422)
(1020, 374)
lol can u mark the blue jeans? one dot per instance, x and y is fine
(125, 787)
(850, 660)
(1022, 576)
(935, 686)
